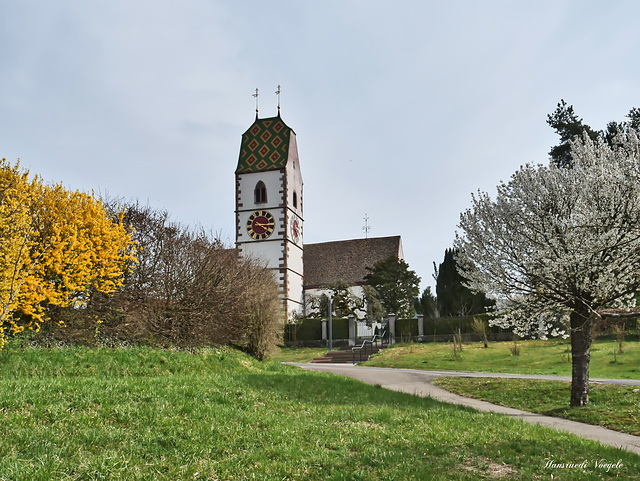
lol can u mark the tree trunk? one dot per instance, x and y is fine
(581, 323)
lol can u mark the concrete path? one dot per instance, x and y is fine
(419, 383)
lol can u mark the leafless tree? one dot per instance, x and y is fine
(186, 289)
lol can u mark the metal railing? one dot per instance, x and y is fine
(383, 338)
(367, 347)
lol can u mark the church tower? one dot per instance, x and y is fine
(269, 205)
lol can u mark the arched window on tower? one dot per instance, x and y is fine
(260, 193)
(295, 199)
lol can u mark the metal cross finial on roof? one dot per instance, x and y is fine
(256, 97)
(366, 227)
(278, 94)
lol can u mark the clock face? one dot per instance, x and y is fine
(296, 229)
(261, 224)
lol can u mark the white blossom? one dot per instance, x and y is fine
(557, 238)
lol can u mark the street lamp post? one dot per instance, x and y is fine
(330, 325)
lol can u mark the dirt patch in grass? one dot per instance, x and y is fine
(487, 469)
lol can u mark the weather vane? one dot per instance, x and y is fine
(278, 94)
(256, 97)
(366, 227)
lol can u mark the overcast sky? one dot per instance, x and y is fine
(401, 108)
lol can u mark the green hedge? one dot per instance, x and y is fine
(406, 328)
(311, 330)
(441, 326)
(450, 325)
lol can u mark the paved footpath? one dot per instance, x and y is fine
(417, 382)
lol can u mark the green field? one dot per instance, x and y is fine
(298, 354)
(217, 414)
(610, 406)
(536, 357)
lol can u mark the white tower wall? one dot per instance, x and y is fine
(263, 160)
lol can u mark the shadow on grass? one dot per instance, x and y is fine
(330, 389)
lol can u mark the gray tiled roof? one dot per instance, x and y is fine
(347, 260)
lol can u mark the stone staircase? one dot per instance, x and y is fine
(345, 356)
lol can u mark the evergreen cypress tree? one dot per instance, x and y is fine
(453, 298)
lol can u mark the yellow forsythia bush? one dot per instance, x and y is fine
(56, 247)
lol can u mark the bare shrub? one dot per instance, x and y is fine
(457, 344)
(264, 315)
(454, 345)
(187, 289)
(457, 337)
(618, 329)
(479, 326)
(515, 348)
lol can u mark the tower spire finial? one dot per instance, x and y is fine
(256, 97)
(278, 94)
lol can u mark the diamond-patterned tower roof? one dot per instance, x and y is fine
(265, 146)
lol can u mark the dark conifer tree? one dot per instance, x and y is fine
(453, 298)
(426, 304)
(567, 125)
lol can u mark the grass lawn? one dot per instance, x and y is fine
(536, 357)
(298, 354)
(614, 407)
(217, 414)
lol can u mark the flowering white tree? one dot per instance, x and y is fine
(559, 242)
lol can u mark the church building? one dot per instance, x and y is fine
(269, 221)
(346, 261)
